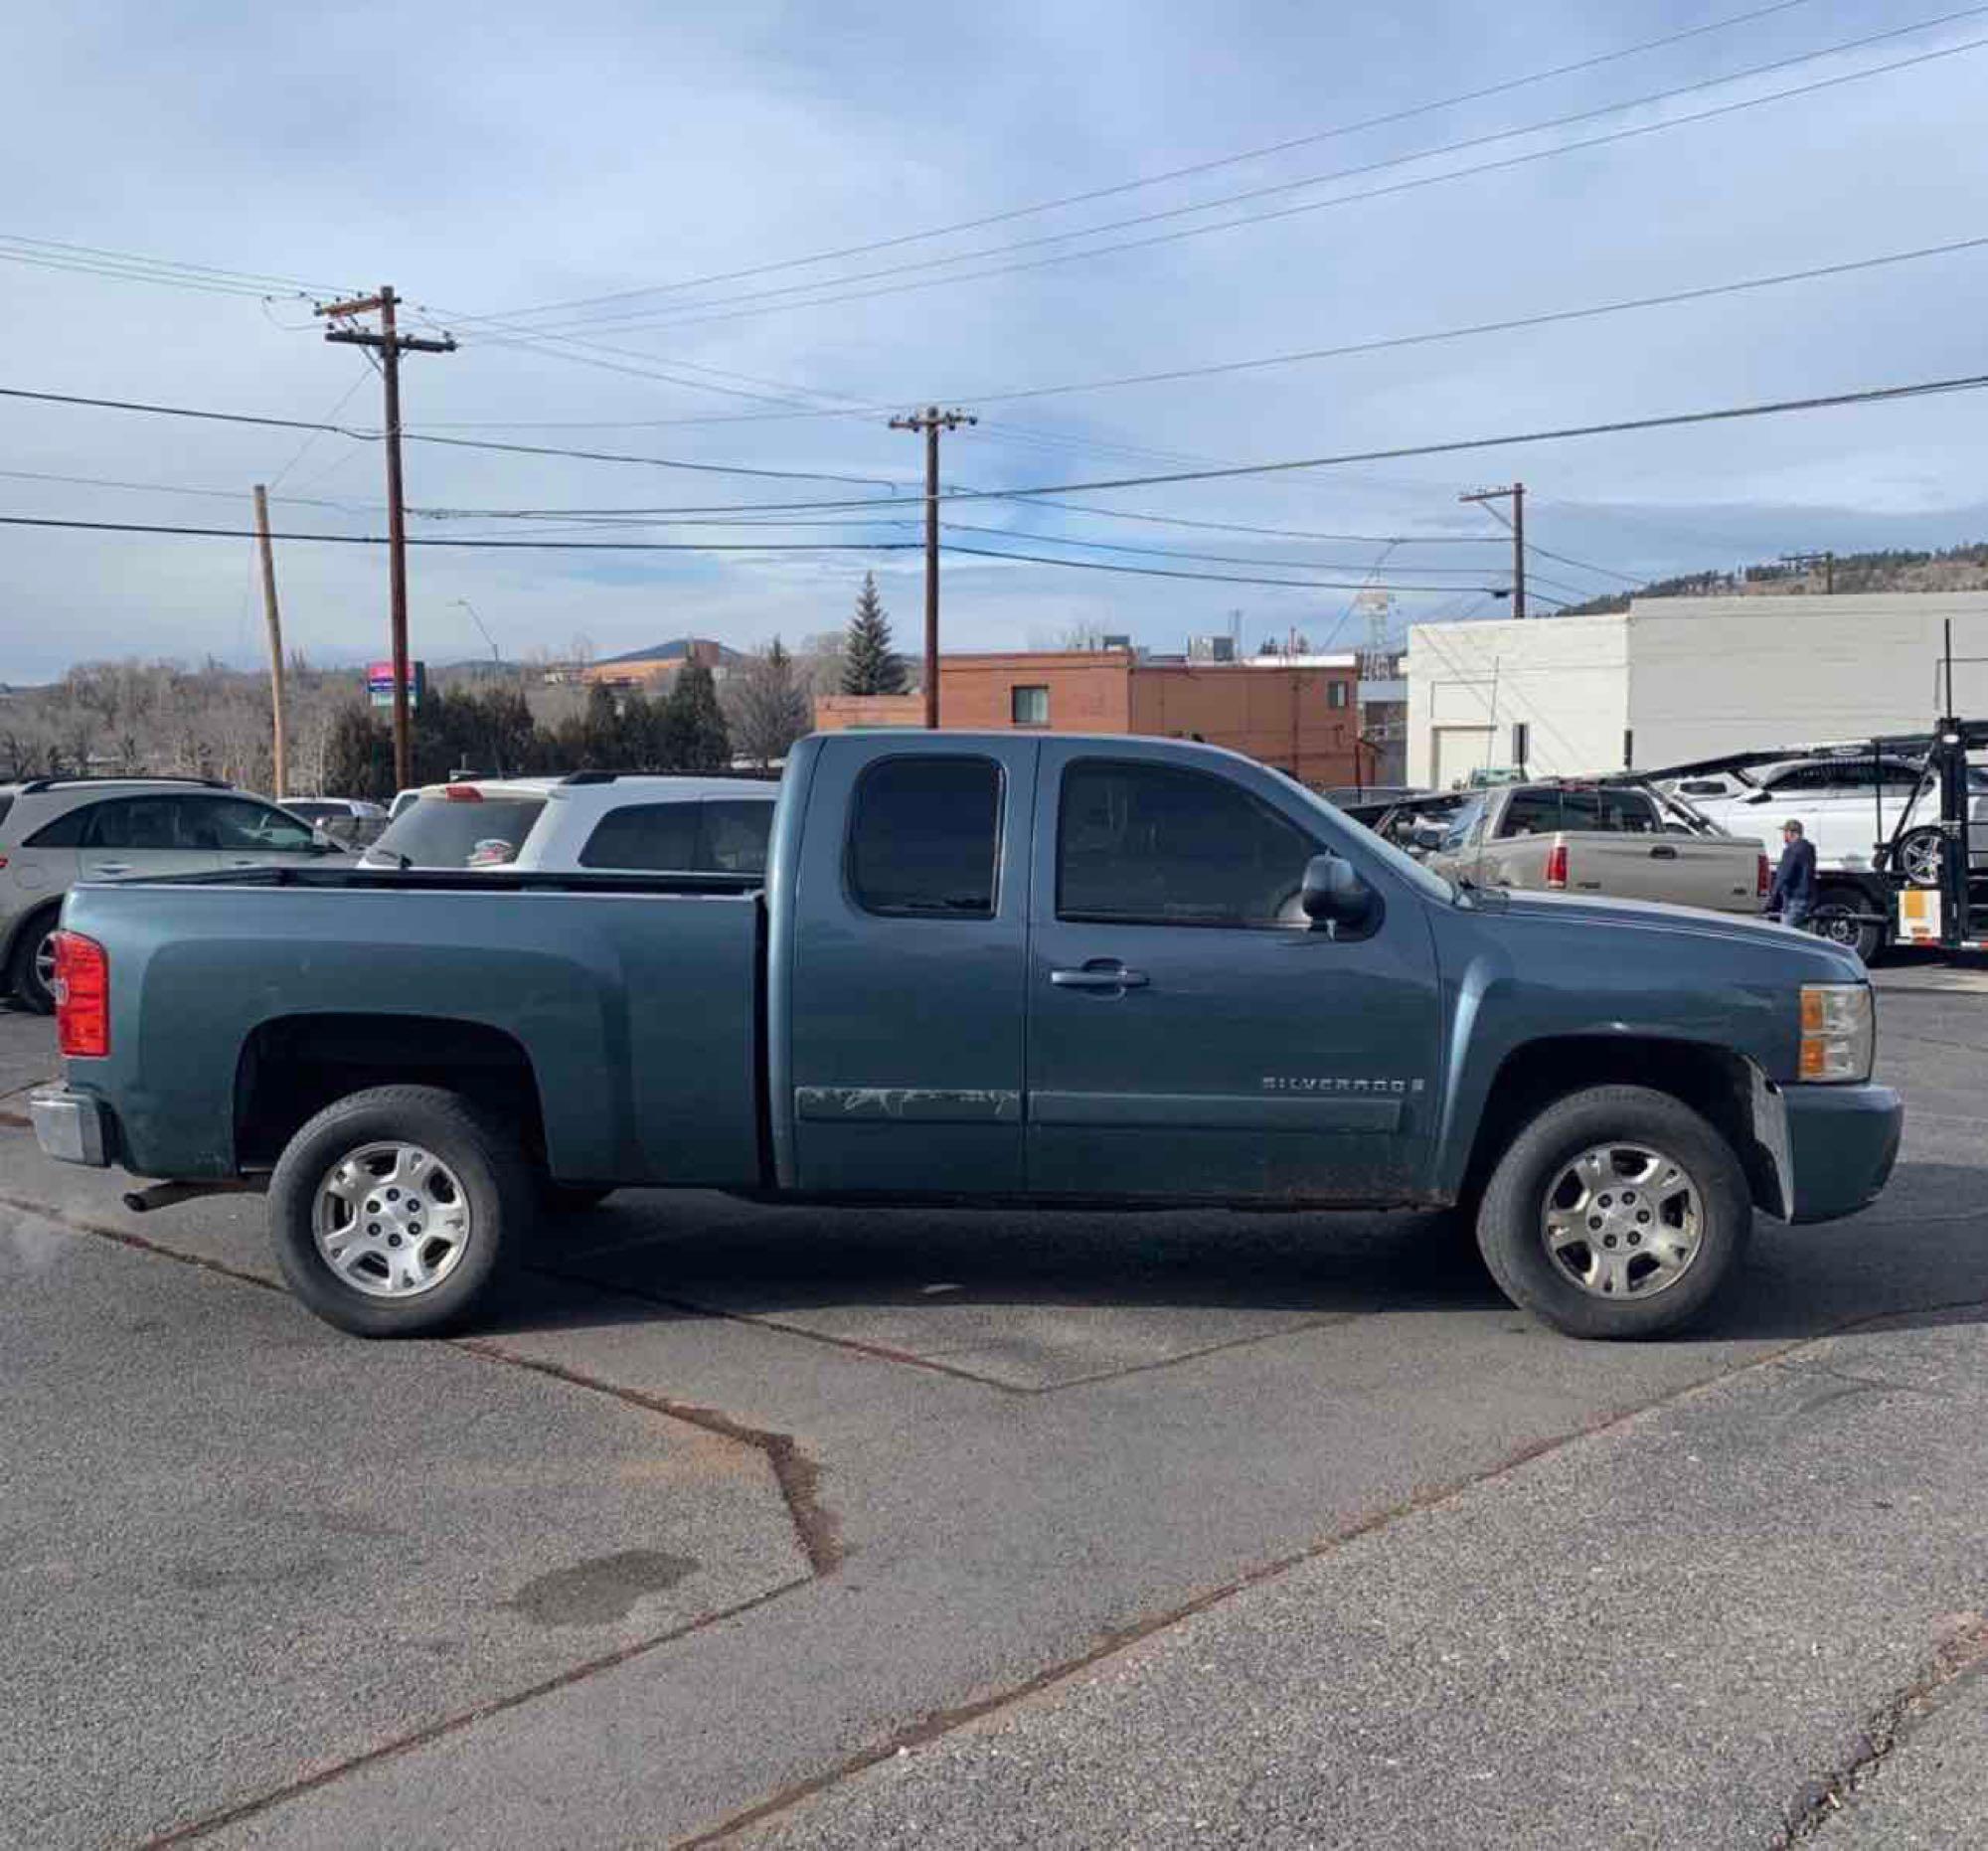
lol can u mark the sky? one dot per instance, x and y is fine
(629, 215)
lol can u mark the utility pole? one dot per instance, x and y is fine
(276, 631)
(390, 344)
(1808, 561)
(932, 420)
(1515, 493)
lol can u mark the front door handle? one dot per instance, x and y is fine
(1663, 854)
(1099, 974)
(111, 867)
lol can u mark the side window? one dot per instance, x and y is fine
(137, 823)
(1465, 826)
(1581, 809)
(1028, 706)
(735, 834)
(67, 831)
(1531, 812)
(655, 838)
(1161, 846)
(925, 836)
(1629, 812)
(233, 823)
(1899, 776)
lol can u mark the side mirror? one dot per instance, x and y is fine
(1334, 893)
(1428, 832)
(1760, 796)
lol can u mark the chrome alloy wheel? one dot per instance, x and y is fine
(45, 962)
(1624, 1221)
(1921, 854)
(391, 1220)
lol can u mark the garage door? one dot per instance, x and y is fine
(1460, 751)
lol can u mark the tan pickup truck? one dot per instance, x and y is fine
(1622, 840)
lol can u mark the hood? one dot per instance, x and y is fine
(1827, 963)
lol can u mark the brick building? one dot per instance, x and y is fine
(1301, 716)
(654, 669)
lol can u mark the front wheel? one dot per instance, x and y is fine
(395, 1211)
(33, 977)
(1617, 1212)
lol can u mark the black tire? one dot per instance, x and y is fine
(21, 977)
(484, 1159)
(1834, 916)
(572, 1198)
(1511, 1233)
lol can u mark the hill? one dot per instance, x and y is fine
(1953, 568)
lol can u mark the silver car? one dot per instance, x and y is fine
(56, 831)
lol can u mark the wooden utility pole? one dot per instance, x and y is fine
(390, 344)
(276, 631)
(1808, 561)
(932, 420)
(1515, 493)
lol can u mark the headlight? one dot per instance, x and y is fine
(1838, 1031)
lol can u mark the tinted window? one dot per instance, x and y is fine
(316, 812)
(444, 832)
(1463, 824)
(1629, 812)
(735, 834)
(6, 805)
(236, 823)
(1531, 812)
(655, 837)
(925, 835)
(122, 822)
(1170, 847)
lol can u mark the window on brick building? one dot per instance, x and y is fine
(1336, 693)
(1029, 707)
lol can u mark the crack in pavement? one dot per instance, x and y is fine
(1961, 1656)
(453, 1725)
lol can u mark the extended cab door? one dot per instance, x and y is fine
(1191, 1033)
(905, 1006)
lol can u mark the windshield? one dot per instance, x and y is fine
(1398, 862)
(450, 833)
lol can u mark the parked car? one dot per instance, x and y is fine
(55, 831)
(1599, 839)
(351, 821)
(622, 822)
(981, 967)
(1848, 805)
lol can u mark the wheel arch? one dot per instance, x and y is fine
(1723, 1086)
(290, 1068)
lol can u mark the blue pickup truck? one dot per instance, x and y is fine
(981, 968)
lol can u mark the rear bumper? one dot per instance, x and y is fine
(1842, 1144)
(71, 1126)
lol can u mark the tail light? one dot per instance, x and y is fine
(83, 996)
(1556, 866)
(1760, 882)
(464, 794)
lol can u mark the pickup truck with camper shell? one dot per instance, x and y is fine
(999, 969)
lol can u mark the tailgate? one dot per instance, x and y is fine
(1716, 872)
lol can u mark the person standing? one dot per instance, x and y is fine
(1792, 894)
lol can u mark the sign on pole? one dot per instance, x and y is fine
(379, 683)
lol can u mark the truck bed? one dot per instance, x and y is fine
(629, 1007)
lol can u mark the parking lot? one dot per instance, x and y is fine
(888, 1527)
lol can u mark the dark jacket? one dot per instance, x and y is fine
(1794, 879)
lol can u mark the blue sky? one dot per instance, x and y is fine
(491, 163)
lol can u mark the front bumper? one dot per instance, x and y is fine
(72, 1127)
(1842, 1144)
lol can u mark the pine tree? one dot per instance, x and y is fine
(693, 731)
(868, 664)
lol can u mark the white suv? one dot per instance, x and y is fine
(607, 821)
(55, 831)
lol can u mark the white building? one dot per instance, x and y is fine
(1678, 678)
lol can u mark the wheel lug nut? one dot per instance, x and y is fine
(373, 1208)
(1594, 1222)
(394, 1239)
(1605, 1201)
(371, 1227)
(415, 1228)
(392, 1195)
(1635, 1240)
(1629, 1195)
(1643, 1213)
(1607, 1240)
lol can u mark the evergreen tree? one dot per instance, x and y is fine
(868, 664)
(600, 729)
(693, 731)
(769, 706)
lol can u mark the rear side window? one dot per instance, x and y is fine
(441, 832)
(1160, 846)
(653, 837)
(735, 834)
(925, 835)
(6, 805)
(159, 822)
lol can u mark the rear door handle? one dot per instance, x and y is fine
(1099, 974)
(1663, 854)
(111, 867)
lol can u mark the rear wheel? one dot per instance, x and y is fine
(395, 1211)
(1617, 1212)
(32, 975)
(1839, 914)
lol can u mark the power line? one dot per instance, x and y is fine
(94, 252)
(764, 301)
(1214, 577)
(1217, 559)
(470, 443)
(1177, 173)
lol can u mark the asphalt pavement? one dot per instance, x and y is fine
(839, 1527)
